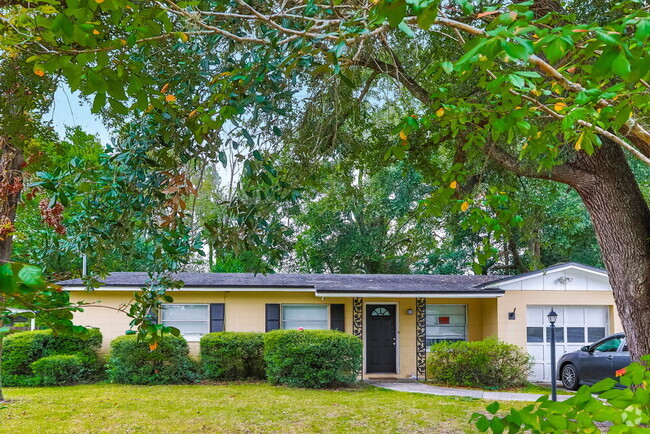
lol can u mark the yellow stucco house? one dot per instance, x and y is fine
(397, 316)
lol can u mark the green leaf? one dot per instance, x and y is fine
(621, 66)
(482, 423)
(448, 67)
(406, 29)
(428, 16)
(395, 12)
(8, 283)
(496, 425)
(642, 30)
(99, 102)
(493, 408)
(31, 276)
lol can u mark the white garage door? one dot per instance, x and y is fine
(575, 327)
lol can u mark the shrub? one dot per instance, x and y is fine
(59, 370)
(24, 348)
(312, 358)
(133, 362)
(233, 356)
(622, 411)
(485, 364)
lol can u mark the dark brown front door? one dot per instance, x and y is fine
(381, 340)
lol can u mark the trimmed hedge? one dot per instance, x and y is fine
(233, 356)
(312, 358)
(59, 370)
(133, 362)
(22, 349)
(489, 364)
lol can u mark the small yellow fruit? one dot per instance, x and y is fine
(170, 98)
(453, 184)
(440, 112)
(464, 207)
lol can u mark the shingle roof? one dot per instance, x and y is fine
(323, 283)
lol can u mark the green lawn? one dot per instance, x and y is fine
(251, 407)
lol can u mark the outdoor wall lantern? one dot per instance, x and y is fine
(552, 317)
(409, 312)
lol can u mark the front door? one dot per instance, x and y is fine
(381, 338)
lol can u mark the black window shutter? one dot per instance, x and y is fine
(337, 317)
(217, 311)
(272, 317)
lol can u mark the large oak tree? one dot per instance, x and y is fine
(545, 94)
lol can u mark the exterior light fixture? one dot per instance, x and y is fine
(552, 317)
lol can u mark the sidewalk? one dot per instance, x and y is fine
(415, 387)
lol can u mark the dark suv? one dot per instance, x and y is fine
(594, 362)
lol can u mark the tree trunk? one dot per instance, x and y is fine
(11, 165)
(621, 219)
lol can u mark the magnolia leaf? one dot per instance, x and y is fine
(31, 276)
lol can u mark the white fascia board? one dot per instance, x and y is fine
(414, 295)
(191, 288)
(496, 284)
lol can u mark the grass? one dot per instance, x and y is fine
(529, 388)
(250, 407)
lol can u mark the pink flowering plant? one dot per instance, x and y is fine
(617, 410)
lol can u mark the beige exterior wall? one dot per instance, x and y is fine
(514, 331)
(245, 311)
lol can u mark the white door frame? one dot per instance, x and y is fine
(365, 334)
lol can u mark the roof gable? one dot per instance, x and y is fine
(570, 276)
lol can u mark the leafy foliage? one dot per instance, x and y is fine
(23, 349)
(233, 356)
(133, 361)
(489, 364)
(312, 358)
(59, 370)
(628, 410)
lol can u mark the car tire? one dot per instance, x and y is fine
(569, 377)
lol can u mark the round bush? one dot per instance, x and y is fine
(233, 356)
(312, 358)
(59, 370)
(22, 349)
(486, 364)
(133, 362)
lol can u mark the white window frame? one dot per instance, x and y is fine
(327, 305)
(207, 319)
(426, 337)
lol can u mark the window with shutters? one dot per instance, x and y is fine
(306, 316)
(193, 320)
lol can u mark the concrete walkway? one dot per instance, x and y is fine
(416, 387)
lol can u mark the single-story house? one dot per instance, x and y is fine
(398, 317)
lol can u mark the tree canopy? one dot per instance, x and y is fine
(473, 95)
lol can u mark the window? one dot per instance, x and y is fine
(595, 333)
(306, 316)
(446, 322)
(575, 334)
(193, 320)
(609, 346)
(559, 334)
(535, 334)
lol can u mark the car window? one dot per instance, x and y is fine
(624, 346)
(610, 345)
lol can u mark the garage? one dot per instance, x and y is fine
(575, 327)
